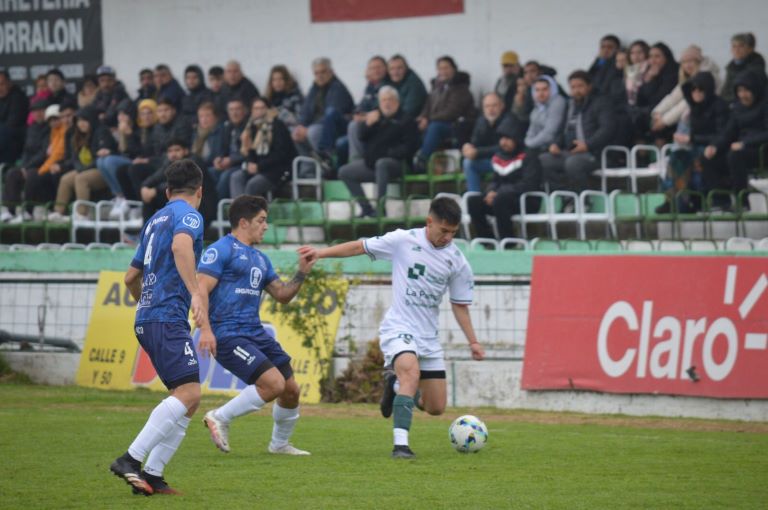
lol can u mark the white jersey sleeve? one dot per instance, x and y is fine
(383, 247)
(462, 284)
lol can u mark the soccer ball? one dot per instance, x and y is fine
(468, 434)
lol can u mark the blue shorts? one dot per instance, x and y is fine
(171, 350)
(248, 357)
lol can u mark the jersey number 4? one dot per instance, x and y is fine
(148, 252)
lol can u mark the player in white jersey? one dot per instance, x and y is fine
(425, 264)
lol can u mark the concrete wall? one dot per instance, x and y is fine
(260, 33)
(56, 369)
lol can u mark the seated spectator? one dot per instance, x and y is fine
(268, 149)
(208, 135)
(111, 159)
(215, 82)
(78, 168)
(42, 93)
(32, 157)
(350, 147)
(506, 85)
(135, 142)
(232, 159)
(88, 89)
(636, 72)
(607, 78)
(485, 141)
(236, 86)
(167, 86)
(409, 86)
(197, 92)
(14, 108)
(57, 86)
(589, 126)
(324, 113)
(147, 89)
(662, 78)
(746, 130)
(707, 117)
(673, 107)
(515, 172)
(111, 93)
(283, 93)
(745, 58)
(448, 104)
(547, 116)
(390, 139)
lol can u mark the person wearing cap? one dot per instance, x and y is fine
(514, 173)
(32, 157)
(111, 93)
(506, 85)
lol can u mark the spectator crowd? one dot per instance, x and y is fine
(536, 130)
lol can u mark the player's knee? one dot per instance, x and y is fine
(290, 395)
(434, 410)
(270, 385)
(189, 395)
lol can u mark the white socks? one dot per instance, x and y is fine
(285, 422)
(401, 437)
(247, 401)
(160, 423)
(162, 453)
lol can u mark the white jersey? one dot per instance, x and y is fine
(421, 274)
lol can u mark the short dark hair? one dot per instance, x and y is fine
(167, 101)
(177, 141)
(56, 72)
(183, 176)
(246, 207)
(449, 60)
(446, 209)
(542, 80)
(216, 71)
(533, 63)
(398, 56)
(580, 75)
(144, 71)
(614, 39)
(162, 67)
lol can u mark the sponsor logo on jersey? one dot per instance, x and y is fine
(250, 292)
(416, 248)
(210, 256)
(416, 271)
(191, 220)
(255, 277)
(150, 280)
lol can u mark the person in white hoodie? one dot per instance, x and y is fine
(547, 116)
(674, 108)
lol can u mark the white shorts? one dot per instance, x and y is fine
(428, 350)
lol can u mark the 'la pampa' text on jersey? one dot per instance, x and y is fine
(421, 274)
(164, 297)
(243, 273)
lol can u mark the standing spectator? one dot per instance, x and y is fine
(409, 86)
(197, 92)
(589, 126)
(78, 168)
(14, 108)
(168, 86)
(268, 150)
(547, 116)
(111, 93)
(746, 130)
(232, 159)
(515, 172)
(324, 113)
(485, 141)
(42, 92)
(506, 85)
(390, 139)
(662, 78)
(88, 89)
(745, 58)
(236, 86)
(449, 103)
(283, 93)
(350, 147)
(147, 89)
(56, 84)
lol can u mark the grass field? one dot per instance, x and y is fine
(57, 444)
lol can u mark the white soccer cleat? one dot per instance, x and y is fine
(219, 431)
(287, 449)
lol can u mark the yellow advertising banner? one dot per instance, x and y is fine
(113, 359)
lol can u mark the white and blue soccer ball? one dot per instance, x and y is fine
(468, 434)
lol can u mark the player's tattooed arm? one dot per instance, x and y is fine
(282, 291)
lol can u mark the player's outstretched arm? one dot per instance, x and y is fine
(133, 282)
(348, 249)
(461, 312)
(282, 291)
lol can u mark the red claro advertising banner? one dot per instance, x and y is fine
(672, 325)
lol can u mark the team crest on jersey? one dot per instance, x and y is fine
(416, 248)
(191, 220)
(255, 277)
(210, 256)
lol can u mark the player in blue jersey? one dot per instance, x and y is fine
(234, 275)
(162, 279)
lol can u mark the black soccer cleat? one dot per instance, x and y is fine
(402, 452)
(129, 469)
(388, 397)
(158, 484)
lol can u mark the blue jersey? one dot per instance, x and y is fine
(164, 297)
(243, 273)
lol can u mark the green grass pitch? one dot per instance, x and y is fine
(57, 444)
